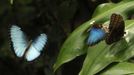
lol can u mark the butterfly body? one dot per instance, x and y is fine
(22, 48)
(96, 34)
(116, 29)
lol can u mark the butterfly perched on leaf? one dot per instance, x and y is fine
(30, 50)
(113, 33)
(116, 29)
(96, 34)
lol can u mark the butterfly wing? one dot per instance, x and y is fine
(36, 47)
(116, 29)
(18, 39)
(115, 22)
(95, 35)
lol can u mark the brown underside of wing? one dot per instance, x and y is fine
(116, 29)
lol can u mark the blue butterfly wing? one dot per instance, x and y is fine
(95, 35)
(36, 47)
(19, 40)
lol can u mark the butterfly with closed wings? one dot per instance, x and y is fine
(113, 33)
(116, 29)
(22, 48)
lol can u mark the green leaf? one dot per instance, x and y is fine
(105, 7)
(124, 68)
(75, 45)
(101, 55)
(110, 6)
(129, 37)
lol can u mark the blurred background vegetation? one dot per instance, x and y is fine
(56, 18)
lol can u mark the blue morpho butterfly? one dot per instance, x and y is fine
(22, 48)
(96, 34)
(116, 29)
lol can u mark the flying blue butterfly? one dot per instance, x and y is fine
(116, 28)
(96, 34)
(30, 50)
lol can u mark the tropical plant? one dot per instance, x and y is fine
(102, 59)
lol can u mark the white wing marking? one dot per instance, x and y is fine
(36, 47)
(19, 40)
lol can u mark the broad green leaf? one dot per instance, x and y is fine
(101, 55)
(109, 6)
(124, 68)
(75, 45)
(129, 36)
(105, 7)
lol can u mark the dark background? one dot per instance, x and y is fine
(56, 18)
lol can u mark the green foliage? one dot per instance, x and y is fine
(123, 68)
(101, 55)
